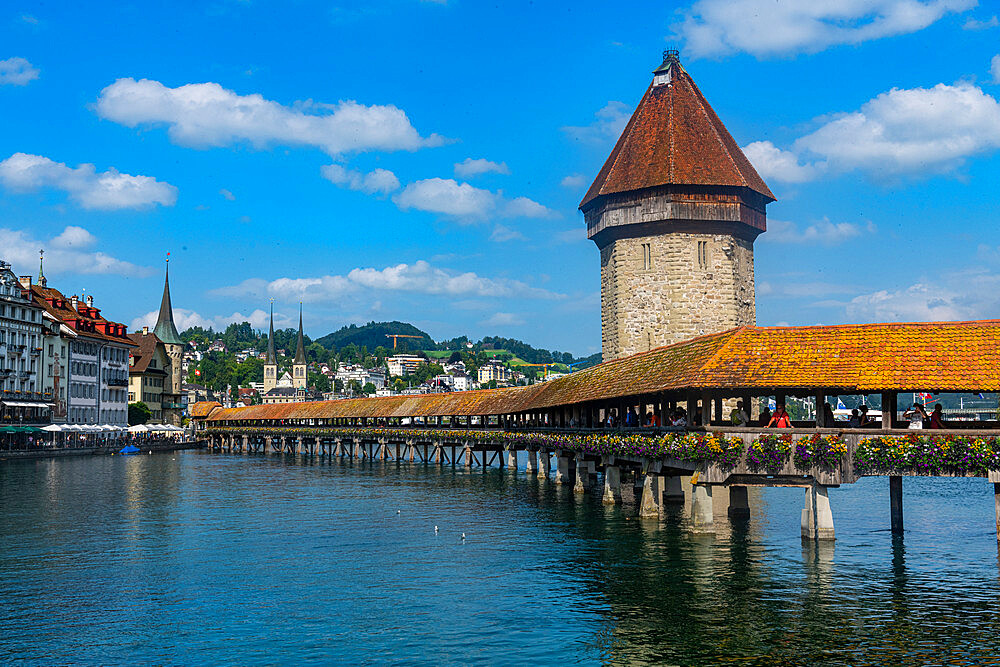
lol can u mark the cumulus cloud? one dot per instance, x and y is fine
(573, 181)
(17, 72)
(203, 115)
(823, 232)
(185, 319)
(773, 163)
(106, 190)
(503, 320)
(764, 28)
(976, 24)
(900, 132)
(379, 181)
(68, 252)
(465, 202)
(469, 167)
(419, 277)
(609, 123)
(501, 234)
(969, 294)
(227, 194)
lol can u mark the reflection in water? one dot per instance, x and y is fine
(200, 558)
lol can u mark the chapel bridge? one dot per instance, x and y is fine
(562, 418)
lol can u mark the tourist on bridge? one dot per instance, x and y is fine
(827, 415)
(864, 419)
(765, 417)
(739, 416)
(855, 420)
(917, 414)
(652, 420)
(611, 420)
(679, 418)
(780, 418)
(937, 417)
(631, 419)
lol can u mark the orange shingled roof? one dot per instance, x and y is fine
(852, 358)
(203, 409)
(675, 138)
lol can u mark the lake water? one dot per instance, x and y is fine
(195, 558)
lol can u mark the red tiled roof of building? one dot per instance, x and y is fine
(146, 344)
(675, 138)
(85, 320)
(845, 359)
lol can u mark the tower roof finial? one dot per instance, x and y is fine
(42, 282)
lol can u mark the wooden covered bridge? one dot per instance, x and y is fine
(565, 418)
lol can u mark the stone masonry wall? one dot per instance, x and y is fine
(678, 296)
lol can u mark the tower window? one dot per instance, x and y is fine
(703, 255)
(647, 257)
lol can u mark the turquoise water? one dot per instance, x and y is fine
(195, 558)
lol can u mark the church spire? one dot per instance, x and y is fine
(300, 351)
(42, 281)
(165, 329)
(270, 340)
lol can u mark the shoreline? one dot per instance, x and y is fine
(161, 446)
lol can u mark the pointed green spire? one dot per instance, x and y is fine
(300, 350)
(270, 340)
(165, 329)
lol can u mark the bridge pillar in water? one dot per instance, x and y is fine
(612, 485)
(817, 517)
(652, 495)
(529, 467)
(268, 446)
(544, 464)
(512, 459)
(996, 503)
(246, 444)
(564, 474)
(896, 504)
(299, 447)
(673, 489)
(582, 476)
(739, 502)
(702, 517)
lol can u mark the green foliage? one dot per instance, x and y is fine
(319, 381)
(368, 389)
(373, 335)
(138, 413)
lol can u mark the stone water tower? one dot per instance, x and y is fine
(674, 211)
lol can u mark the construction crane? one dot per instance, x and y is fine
(575, 363)
(545, 373)
(395, 336)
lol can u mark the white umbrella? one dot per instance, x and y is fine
(53, 428)
(138, 428)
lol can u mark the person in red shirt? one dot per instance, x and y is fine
(937, 417)
(780, 418)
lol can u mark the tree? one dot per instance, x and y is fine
(368, 389)
(354, 387)
(455, 357)
(138, 413)
(319, 381)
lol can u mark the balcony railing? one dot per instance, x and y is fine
(118, 382)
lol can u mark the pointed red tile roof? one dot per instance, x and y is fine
(675, 138)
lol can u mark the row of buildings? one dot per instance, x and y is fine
(63, 362)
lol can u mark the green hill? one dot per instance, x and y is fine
(374, 334)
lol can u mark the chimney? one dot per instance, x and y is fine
(145, 331)
(73, 299)
(90, 300)
(25, 281)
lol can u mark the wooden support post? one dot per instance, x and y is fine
(706, 409)
(888, 409)
(820, 398)
(896, 504)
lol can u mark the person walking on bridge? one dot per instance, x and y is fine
(780, 418)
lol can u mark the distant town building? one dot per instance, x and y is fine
(23, 400)
(493, 370)
(172, 403)
(149, 376)
(404, 364)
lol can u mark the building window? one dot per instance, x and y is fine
(703, 254)
(647, 257)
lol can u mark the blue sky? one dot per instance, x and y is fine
(423, 161)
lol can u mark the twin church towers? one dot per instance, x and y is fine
(298, 377)
(674, 211)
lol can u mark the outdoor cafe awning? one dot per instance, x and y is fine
(25, 404)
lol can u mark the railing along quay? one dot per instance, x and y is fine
(672, 465)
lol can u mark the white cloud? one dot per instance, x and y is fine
(379, 181)
(763, 28)
(227, 194)
(995, 68)
(501, 234)
(609, 123)
(823, 232)
(107, 190)
(900, 132)
(970, 294)
(64, 253)
(465, 202)
(503, 320)
(185, 319)
(773, 163)
(17, 72)
(469, 167)
(419, 277)
(976, 24)
(573, 181)
(203, 115)
(910, 131)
